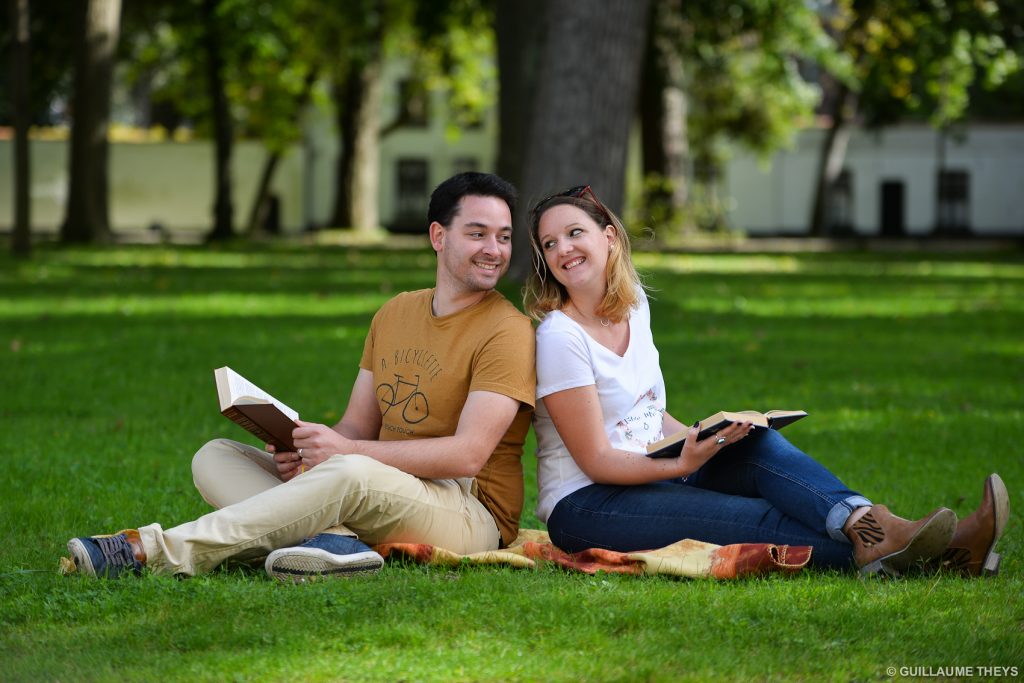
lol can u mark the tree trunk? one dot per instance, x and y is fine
(223, 208)
(363, 176)
(21, 243)
(261, 203)
(342, 212)
(520, 41)
(88, 216)
(663, 131)
(833, 154)
(586, 98)
(358, 104)
(358, 100)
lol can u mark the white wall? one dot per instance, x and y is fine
(778, 199)
(166, 182)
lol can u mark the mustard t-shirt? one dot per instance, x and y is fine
(425, 366)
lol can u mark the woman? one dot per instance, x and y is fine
(603, 400)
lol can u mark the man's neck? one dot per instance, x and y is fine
(446, 301)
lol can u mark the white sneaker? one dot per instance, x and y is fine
(323, 556)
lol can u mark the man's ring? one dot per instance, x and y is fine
(720, 441)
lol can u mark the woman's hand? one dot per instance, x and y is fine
(696, 453)
(316, 442)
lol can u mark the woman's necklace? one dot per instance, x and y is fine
(605, 322)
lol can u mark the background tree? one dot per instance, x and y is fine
(215, 32)
(715, 80)
(279, 85)
(664, 144)
(449, 46)
(231, 69)
(352, 36)
(586, 88)
(910, 59)
(21, 244)
(87, 215)
(520, 40)
(52, 59)
(277, 139)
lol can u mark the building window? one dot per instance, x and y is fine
(953, 201)
(413, 186)
(840, 203)
(465, 164)
(414, 104)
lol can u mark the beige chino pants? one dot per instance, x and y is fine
(353, 495)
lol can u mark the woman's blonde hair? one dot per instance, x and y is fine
(543, 293)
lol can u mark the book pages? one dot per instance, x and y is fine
(234, 389)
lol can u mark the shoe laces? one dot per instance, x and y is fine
(117, 552)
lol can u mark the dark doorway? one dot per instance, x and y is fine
(892, 216)
(953, 209)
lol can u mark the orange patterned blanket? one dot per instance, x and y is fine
(686, 558)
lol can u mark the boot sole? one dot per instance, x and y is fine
(302, 565)
(1001, 513)
(929, 542)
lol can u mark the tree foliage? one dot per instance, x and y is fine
(740, 72)
(52, 57)
(267, 56)
(914, 58)
(453, 51)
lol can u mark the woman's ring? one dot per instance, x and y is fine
(721, 440)
(300, 454)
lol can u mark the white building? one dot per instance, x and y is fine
(893, 182)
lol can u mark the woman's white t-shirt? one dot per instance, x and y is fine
(630, 388)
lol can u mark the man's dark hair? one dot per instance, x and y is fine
(444, 202)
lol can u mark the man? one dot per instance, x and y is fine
(428, 449)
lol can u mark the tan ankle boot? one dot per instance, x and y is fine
(971, 551)
(887, 544)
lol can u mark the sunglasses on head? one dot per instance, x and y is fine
(578, 192)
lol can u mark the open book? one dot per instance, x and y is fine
(671, 446)
(255, 410)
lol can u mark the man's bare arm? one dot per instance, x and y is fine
(485, 418)
(362, 419)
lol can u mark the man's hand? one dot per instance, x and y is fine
(288, 462)
(316, 443)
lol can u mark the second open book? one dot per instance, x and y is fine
(672, 445)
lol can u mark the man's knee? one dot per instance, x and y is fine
(360, 472)
(207, 458)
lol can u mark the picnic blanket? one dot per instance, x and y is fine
(686, 558)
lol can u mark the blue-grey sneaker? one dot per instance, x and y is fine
(107, 556)
(323, 556)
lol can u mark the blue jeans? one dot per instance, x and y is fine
(762, 489)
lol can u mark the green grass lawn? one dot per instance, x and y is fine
(911, 366)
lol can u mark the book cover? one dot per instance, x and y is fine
(255, 410)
